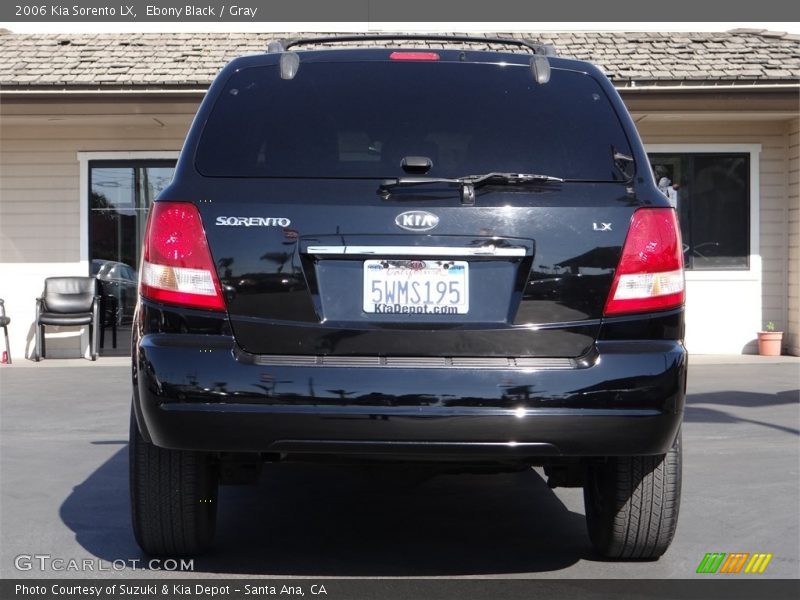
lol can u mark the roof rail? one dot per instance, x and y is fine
(536, 47)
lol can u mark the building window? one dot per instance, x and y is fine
(120, 195)
(711, 191)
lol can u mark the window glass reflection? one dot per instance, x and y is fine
(120, 196)
(711, 192)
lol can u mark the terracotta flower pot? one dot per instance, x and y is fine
(769, 343)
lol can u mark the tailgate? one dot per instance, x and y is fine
(322, 277)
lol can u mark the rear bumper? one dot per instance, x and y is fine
(200, 393)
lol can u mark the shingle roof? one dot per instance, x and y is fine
(175, 60)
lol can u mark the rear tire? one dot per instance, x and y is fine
(173, 498)
(632, 504)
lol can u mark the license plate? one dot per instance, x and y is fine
(429, 287)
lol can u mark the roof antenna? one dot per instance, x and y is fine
(290, 63)
(540, 67)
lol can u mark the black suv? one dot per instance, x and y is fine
(454, 257)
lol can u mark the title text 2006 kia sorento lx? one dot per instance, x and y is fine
(455, 257)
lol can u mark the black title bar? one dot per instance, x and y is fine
(393, 11)
(735, 588)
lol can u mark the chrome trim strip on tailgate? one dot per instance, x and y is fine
(418, 250)
(416, 362)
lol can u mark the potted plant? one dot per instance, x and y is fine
(769, 341)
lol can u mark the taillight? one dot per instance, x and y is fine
(650, 271)
(176, 263)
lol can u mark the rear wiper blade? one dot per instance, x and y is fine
(468, 183)
(475, 180)
(510, 179)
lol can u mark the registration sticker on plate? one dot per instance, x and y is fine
(428, 287)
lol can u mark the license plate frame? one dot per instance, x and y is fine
(415, 286)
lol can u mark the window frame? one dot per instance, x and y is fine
(753, 272)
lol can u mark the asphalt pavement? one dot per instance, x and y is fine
(64, 494)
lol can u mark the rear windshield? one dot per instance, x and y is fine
(361, 119)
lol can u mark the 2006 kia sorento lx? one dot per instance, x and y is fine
(453, 256)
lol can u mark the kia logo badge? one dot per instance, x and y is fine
(417, 220)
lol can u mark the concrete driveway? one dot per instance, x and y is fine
(63, 475)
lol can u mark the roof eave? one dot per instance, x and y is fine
(104, 91)
(705, 86)
(627, 86)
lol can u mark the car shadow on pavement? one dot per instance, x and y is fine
(306, 520)
(698, 411)
(97, 511)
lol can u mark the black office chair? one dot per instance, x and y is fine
(68, 302)
(4, 321)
